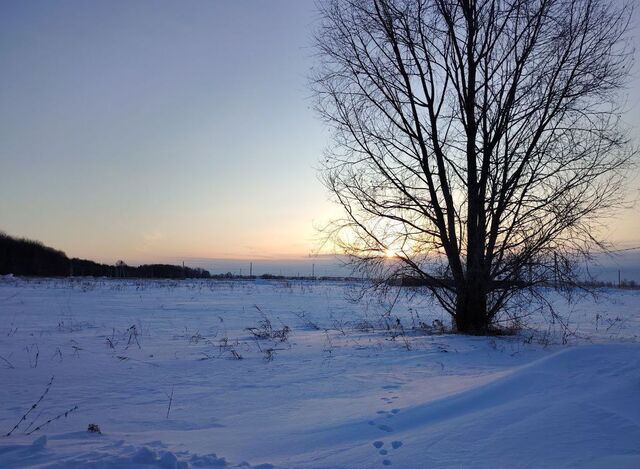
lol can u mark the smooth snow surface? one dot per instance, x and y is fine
(337, 393)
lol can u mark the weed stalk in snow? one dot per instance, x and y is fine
(57, 417)
(170, 401)
(32, 408)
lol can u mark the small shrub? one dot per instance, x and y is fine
(94, 428)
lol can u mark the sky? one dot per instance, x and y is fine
(156, 130)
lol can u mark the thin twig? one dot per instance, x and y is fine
(170, 401)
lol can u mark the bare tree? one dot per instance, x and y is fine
(477, 143)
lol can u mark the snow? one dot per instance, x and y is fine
(334, 394)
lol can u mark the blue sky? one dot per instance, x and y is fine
(145, 129)
(152, 130)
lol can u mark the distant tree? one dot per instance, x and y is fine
(121, 269)
(476, 142)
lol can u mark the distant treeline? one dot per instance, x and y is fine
(324, 278)
(407, 281)
(32, 258)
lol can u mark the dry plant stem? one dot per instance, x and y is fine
(7, 363)
(32, 408)
(57, 417)
(33, 421)
(170, 396)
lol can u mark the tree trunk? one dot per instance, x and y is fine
(471, 306)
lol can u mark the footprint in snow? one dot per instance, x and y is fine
(386, 462)
(385, 428)
(396, 444)
(389, 399)
(378, 444)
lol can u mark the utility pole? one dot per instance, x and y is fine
(313, 270)
(619, 280)
(250, 269)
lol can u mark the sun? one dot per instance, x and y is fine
(389, 253)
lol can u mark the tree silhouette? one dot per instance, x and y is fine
(477, 143)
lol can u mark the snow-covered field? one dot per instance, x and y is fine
(173, 377)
